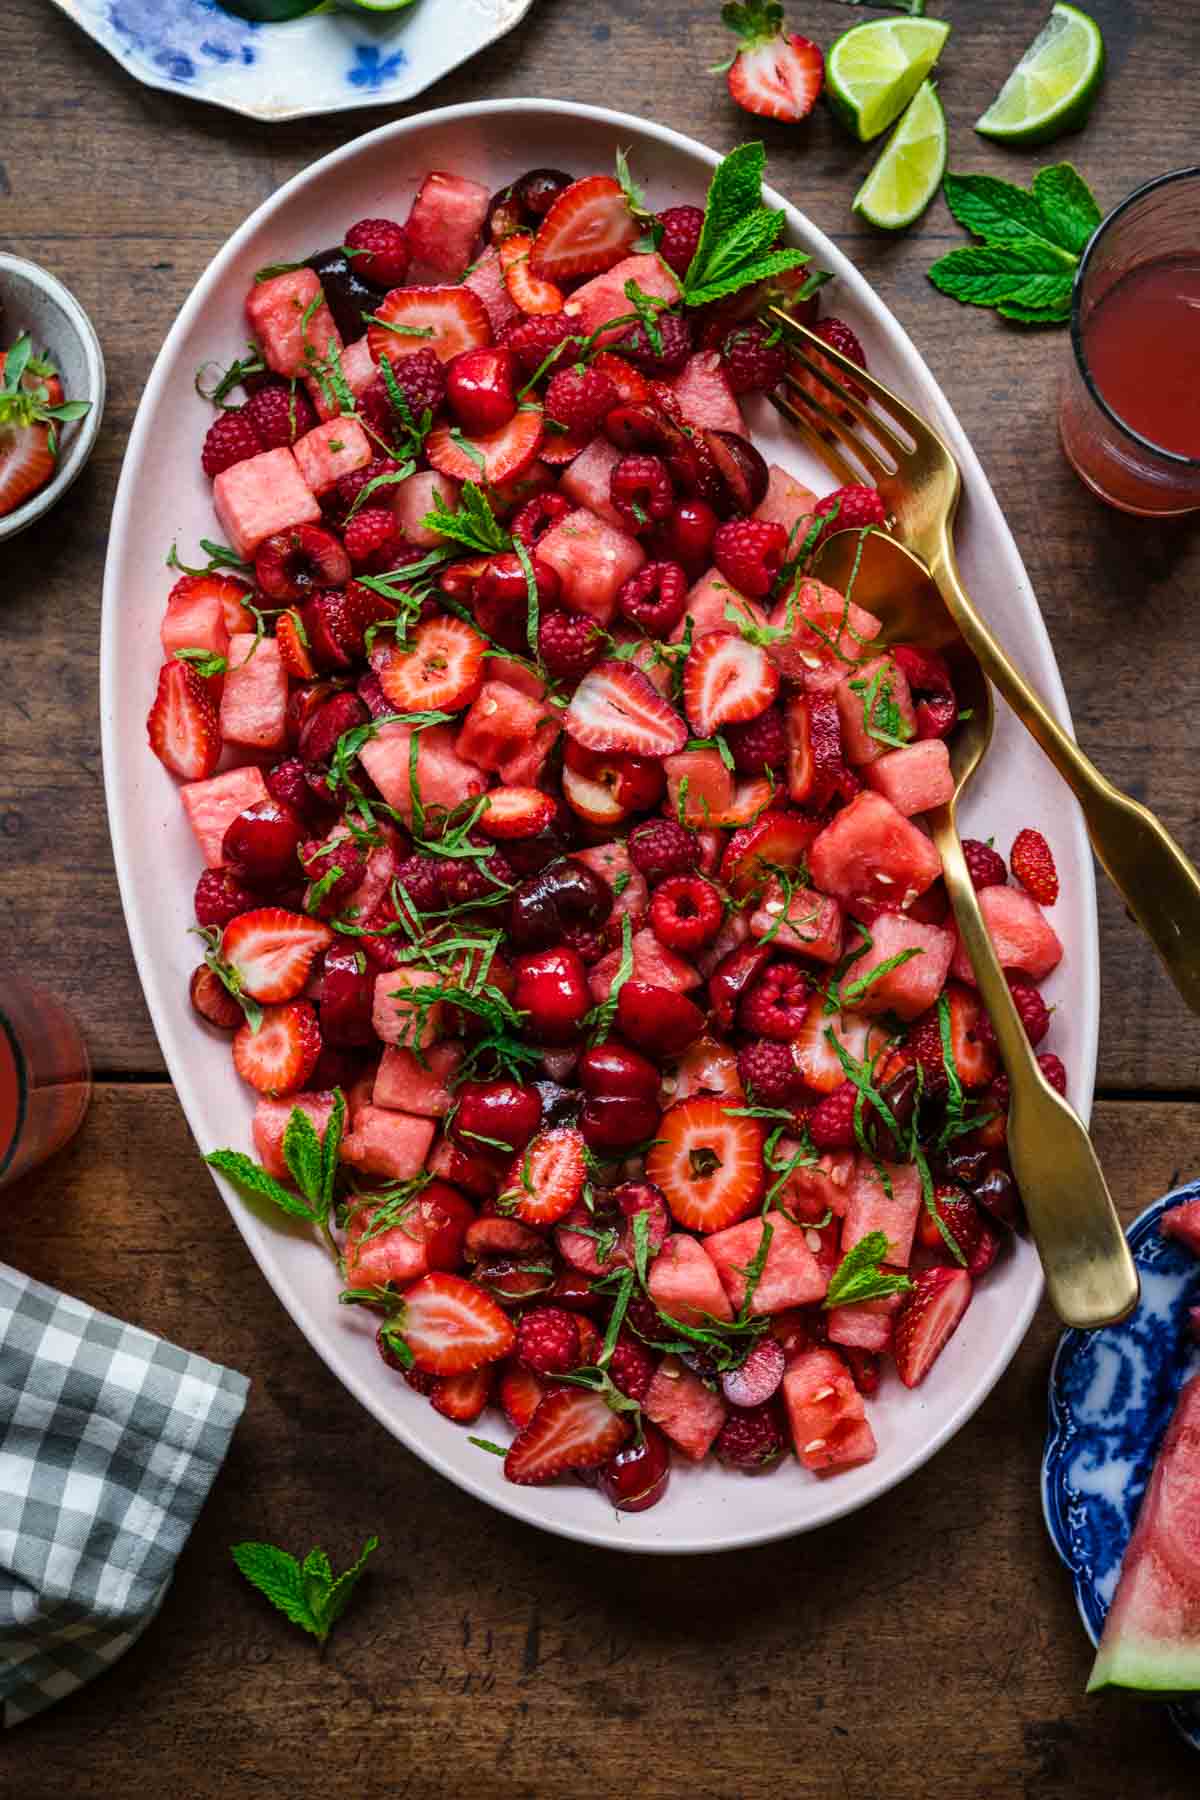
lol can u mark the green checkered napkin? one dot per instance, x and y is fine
(109, 1442)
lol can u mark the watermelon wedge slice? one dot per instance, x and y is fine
(1151, 1641)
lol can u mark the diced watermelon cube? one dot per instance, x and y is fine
(911, 987)
(332, 450)
(787, 502)
(613, 862)
(486, 278)
(705, 395)
(1021, 933)
(869, 851)
(444, 225)
(791, 1275)
(263, 495)
(706, 603)
(864, 1325)
(710, 787)
(516, 674)
(359, 370)
(393, 1014)
(392, 1144)
(271, 1118)
(915, 779)
(591, 559)
(212, 806)
(684, 1282)
(381, 866)
(254, 699)
(194, 622)
(604, 298)
(871, 1208)
(405, 1086)
(811, 923)
(651, 962)
(523, 767)
(412, 499)
(396, 1256)
(443, 778)
(502, 721)
(586, 481)
(679, 1403)
(276, 310)
(878, 685)
(1183, 1224)
(826, 1413)
(809, 655)
(813, 1190)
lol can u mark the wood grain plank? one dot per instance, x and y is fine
(927, 1644)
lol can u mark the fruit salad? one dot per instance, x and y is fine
(565, 895)
(33, 408)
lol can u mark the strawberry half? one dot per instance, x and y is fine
(707, 1163)
(462, 1397)
(293, 650)
(182, 724)
(571, 1429)
(726, 681)
(775, 74)
(547, 1178)
(272, 950)
(517, 812)
(280, 1056)
(26, 464)
(442, 672)
(451, 1326)
(587, 230)
(928, 1320)
(616, 707)
(521, 1392)
(781, 839)
(445, 320)
(494, 456)
(525, 289)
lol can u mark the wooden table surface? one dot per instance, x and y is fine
(928, 1645)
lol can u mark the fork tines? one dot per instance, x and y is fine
(883, 448)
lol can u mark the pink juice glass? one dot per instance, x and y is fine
(1129, 406)
(45, 1077)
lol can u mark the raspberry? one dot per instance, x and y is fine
(997, 1097)
(777, 1005)
(661, 847)
(419, 376)
(750, 553)
(466, 878)
(548, 1340)
(849, 509)
(838, 334)
(385, 245)
(631, 1368)
(925, 1043)
(754, 358)
(758, 744)
(675, 336)
(751, 1438)
(831, 1125)
(1032, 863)
(985, 866)
(220, 897)
(337, 504)
(568, 644)
(532, 340)
(420, 877)
(579, 399)
(656, 597)
(229, 439)
(681, 228)
(280, 413)
(538, 516)
(288, 782)
(640, 489)
(685, 913)
(317, 862)
(1035, 1014)
(768, 1072)
(373, 540)
(1052, 1068)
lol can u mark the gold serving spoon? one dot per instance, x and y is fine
(1090, 1274)
(919, 483)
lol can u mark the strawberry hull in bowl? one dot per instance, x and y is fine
(540, 679)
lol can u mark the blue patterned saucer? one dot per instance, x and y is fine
(1112, 1393)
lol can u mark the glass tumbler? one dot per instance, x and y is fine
(45, 1076)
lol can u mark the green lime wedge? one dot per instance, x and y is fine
(909, 172)
(1052, 88)
(872, 71)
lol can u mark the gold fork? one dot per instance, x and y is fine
(919, 483)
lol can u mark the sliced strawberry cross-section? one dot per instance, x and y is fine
(708, 1163)
(616, 707)
(280, 1056)
(271, 951)
(182, 726)
(572, 1428)
(442, 671)
(445, 320)
(547, 1178)
(451, 1326)
(492, 456)
(928, 1319)
(777, 840)
(776, 74)
(587, 230)
(727, 681)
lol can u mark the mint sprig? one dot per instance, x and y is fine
(737, 240)
(312, 1163)
(472, 523)
(308, 1593)
(1031, 242)
(859, 1276)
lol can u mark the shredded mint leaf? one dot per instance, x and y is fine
(739, 232)
(602, 1016)
(859, 1276)
(487, 1444)
(307, 1593)
(205, 662)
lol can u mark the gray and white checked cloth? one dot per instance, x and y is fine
(109, 1442)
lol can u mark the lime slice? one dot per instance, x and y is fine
(1052, 88)
(873, 70)
(910, 170)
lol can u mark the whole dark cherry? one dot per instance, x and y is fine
(563, 894)
(552, 988)
(504, 1112)
(636, 1478)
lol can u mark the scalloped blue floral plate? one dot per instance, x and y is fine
(326, 63)
(1112, 1393)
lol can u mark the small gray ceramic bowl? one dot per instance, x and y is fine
(34, 301)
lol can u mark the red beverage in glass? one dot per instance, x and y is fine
(45, 1077)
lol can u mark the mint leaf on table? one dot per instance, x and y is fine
(739, 232)
(1032, 275)
(1067, 200)
(998, 212)
(308, 1593)
(1031, 243)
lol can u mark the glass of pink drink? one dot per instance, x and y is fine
(45, 1077)
(1129, 413)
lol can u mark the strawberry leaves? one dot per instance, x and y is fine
(25, 398)
(308, 1593)
(736, 242)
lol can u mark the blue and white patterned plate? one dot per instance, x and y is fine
(327, 63)
(1112, 1393)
